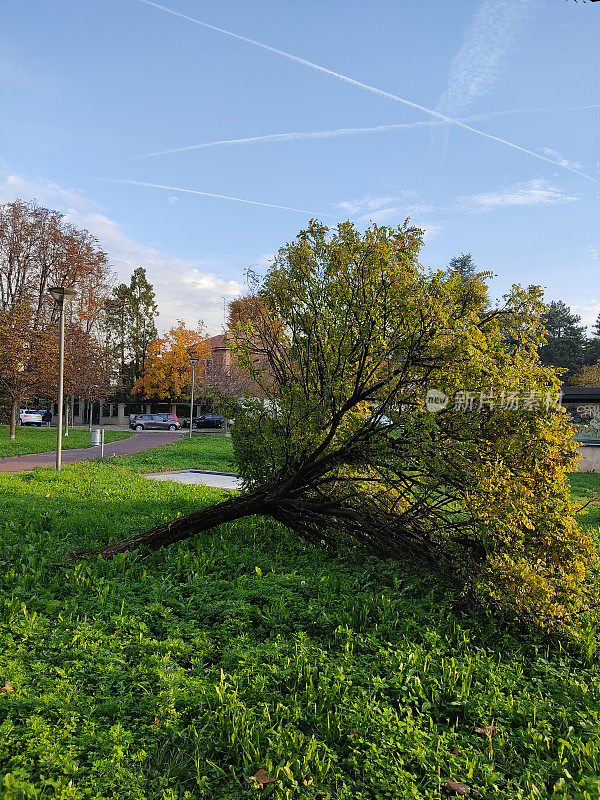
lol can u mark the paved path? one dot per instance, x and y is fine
(204, 477)
(135, 444)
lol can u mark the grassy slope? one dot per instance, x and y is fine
(42, 440)
(180, 673)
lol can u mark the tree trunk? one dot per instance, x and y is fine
(170, 532)
(13, 420)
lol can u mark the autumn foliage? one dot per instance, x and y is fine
(168, 372)
(40, 249)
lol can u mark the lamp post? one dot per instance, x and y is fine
(193, 362)
(61, 295)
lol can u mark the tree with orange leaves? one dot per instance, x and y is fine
(168, 372)
(38, 249)
(26, 355)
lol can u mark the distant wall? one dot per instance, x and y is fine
(590, 458)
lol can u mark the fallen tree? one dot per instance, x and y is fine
(404, 414)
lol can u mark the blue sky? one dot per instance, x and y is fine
(98, 94)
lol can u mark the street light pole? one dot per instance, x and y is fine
(193, 362)
(62, 296)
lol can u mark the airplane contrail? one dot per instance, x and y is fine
(296, 136)
(373, 89)
(206, 194)
(286, 137)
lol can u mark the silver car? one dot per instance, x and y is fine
(154, 422)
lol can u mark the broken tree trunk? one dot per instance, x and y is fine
(182, 528)
(312, 518)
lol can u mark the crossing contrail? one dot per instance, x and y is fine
(286, 137)
(373, 89)
(206, 194)
(298, 136)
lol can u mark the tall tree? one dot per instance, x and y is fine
(130, 323)
(565, 344)
(356, 336)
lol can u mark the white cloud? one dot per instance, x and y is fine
(531, 193)
(560, 159)
(593, 251)
(476, 67)
(368, 203)
(183, 289)
(391, 210)
(587, 311)
(397, 213)
(44, 192)
(384, 209)
(211, 285)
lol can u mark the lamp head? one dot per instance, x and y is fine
(62, 294)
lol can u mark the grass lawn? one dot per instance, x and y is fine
(42, 440)
(200, 452)
(181, 673)
(584, 488)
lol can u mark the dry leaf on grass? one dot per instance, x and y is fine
(489, 730)
(261, 778)
(458, 787)
(7, 687)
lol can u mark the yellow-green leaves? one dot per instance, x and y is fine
(348, 334)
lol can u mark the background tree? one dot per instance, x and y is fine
(25, 358)
(565, 342)
(355, 334)
(38, 249)
(130, 326)
(588, 375)
(463, 266)
(168, 373)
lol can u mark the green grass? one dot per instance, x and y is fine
(180, 673)
(43, 440)
(200, 452)
(585, 489)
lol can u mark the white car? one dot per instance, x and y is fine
(27, 417)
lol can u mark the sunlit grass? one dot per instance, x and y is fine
(181, 673)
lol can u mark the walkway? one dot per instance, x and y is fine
(124, 447)
(204, 477)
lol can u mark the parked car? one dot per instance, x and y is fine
(29, 417)
(46, 415)
(154, 422)
(205, 421)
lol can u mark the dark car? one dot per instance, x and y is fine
(154, 422)
(205, 421)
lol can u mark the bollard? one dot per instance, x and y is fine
(102, 443)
